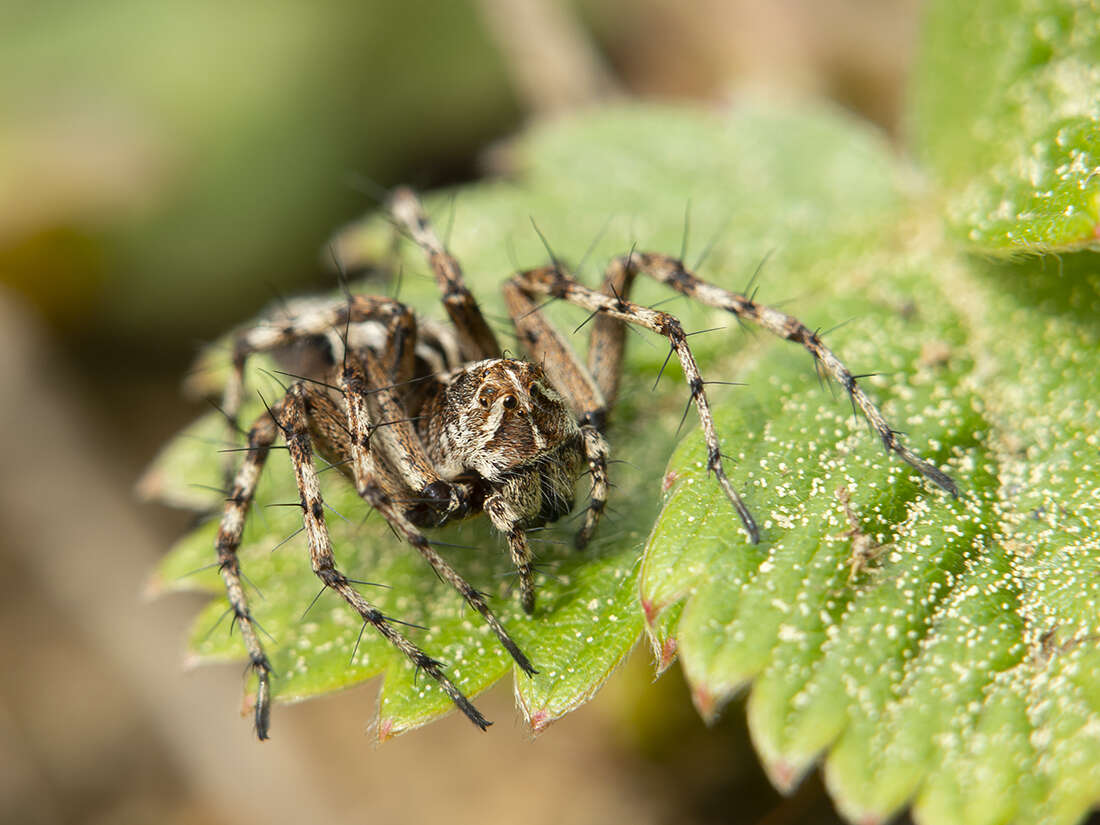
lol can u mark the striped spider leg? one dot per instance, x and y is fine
(671, 272)
(289, 417)
(611, 309)
(355, 414)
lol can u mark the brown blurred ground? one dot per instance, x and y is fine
(163, 173)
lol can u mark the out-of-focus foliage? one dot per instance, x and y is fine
(1006, 113)
(182, 157)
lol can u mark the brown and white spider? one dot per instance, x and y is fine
(432, 423)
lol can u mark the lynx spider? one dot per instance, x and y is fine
(433, 423)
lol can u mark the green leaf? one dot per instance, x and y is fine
(589, 616)
(960, 655)
(957, 658)
(1047, 199)
(1006, 113)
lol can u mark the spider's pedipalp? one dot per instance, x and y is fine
(596, 452)
(500, 514)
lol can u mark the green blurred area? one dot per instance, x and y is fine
(170, 167)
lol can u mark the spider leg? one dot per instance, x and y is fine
(296, 429)
(476, 339)
(367, 483)
(607, 344)
(260, 438)
(503, 517)
(396, 436)
(552, 280)
(325, 318)
(671, 271)
(582, 393)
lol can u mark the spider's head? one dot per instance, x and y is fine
(502, 414)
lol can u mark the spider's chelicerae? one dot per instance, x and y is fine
(433, 423)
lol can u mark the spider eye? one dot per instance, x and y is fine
(483, 400)
(509, 402)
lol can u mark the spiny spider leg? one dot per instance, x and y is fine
(551, 280)
(366, 476)
(476, 339)
(670, 271)
(260, 438)
(397, 437)
(324, 318)
(584, 397)
(295, 426)
(500, 516)
(608, 342)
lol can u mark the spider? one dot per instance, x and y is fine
(865, 550)
(433, 423)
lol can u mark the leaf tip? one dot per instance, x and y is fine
(705, 702)
(386, 729)
(786, 775)
(783, 775)
(154, 587)
(151, 484)
(667, 655)
(540, 720)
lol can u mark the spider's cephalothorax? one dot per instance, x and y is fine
(502, 421)
(431, 423)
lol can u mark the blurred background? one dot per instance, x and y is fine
(166, 170)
